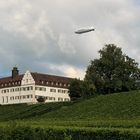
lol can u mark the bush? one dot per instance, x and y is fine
(28, 133)
(41, 99)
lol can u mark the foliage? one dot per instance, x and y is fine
(75, 89)
(115, 116)
(124, 106)
(24, 133)
(41, 99)
(80, 89)
(113, 71)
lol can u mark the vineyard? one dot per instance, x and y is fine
(114, 116)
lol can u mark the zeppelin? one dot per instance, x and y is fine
(81, 31)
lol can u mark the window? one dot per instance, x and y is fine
(12, 98)
(12, 90)
(4, 91)
(16, 97)
(53, 90)
(28, 88)
(16, 89)
(7, 90)
(66, 99)
(23, 88)
(28, 96)
(62, 91)
(6, 99)
(24, 96)
(60, 99)
(2, 99)
(52, 98)
(40, 88)
(65, 91)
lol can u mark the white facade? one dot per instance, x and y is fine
(28, 92)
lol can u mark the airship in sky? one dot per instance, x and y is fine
(81, 31)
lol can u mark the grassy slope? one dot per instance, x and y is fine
(114, 106)
(118, 110)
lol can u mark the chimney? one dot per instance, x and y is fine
(15, 72)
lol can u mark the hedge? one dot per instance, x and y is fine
(29, 133)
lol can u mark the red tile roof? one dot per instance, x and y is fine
(10, 82)
(51, 80)
(40, 79)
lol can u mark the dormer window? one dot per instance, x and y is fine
(42, 82)
(51, 83)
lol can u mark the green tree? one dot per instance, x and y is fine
(113, 71)
(75, 89)
(80, 89)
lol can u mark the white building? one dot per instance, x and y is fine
(30, 87)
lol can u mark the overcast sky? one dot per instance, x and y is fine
(38, 35)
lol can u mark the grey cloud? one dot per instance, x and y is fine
(39, 35)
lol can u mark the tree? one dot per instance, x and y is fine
(113, 71)
(75, 89)
(79, 89)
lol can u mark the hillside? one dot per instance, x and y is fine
(105, 117)
(120, 106)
